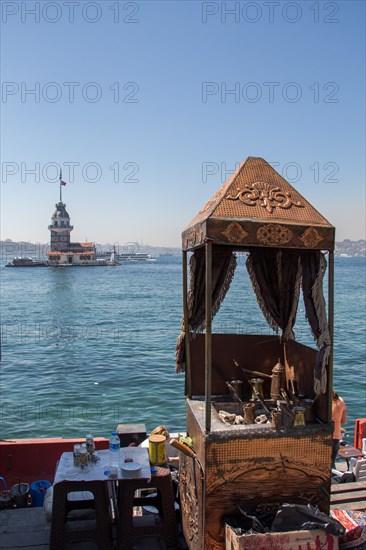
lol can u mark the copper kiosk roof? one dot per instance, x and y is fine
(258, 207)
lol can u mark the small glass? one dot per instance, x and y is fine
(95, 457)
(113, 472)
(76, 453)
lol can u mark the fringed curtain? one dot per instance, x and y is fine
(314, 265)
(223, 268)
(275, 277)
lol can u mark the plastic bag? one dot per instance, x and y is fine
(298, 517)
(47, 503)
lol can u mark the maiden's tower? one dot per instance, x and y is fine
(62, 251)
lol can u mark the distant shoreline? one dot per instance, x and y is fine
(345, 248)
(18, 248)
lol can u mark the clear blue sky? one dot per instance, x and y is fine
(162, 124)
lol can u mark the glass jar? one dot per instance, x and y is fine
(90, 445)
(83, 456)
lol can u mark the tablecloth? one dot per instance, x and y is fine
(66, 470)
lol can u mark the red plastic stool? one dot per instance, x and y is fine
(128, 529)
(360, 432)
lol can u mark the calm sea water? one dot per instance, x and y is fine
(87, 348)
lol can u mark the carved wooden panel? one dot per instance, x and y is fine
(190, 505)
(250, 469)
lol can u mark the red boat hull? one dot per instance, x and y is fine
(27, 460)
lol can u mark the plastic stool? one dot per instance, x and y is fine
(128, 529)
(98, 530)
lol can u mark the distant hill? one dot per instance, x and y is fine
(351, 248)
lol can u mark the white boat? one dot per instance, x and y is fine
(127, 256)
(113, 258)
(136, 257)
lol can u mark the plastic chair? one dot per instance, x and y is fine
(359, 469)
(342, 477)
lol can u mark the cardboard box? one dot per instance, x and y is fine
(292, 540)
(131, 433)
(354, 522)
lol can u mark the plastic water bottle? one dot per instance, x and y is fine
(114, 455)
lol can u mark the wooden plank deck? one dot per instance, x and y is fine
(27, 528)
(24, 528)
(348, 496)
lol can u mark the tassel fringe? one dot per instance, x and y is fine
(320, 384)
(289, 333)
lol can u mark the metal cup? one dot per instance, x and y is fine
(277, 420)
(249, 413)
(308, 406)
(257, 388)
(287, 414)
(299, 417)
(237, 386)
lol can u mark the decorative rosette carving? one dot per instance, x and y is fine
(267, 195)
(274, 234)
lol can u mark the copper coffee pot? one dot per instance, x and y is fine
(278, 380)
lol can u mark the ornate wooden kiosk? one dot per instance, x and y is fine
(254, 465)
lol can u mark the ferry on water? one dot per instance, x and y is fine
(128, 256)
(25, 261)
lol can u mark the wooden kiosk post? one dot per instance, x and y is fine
(258, 212)
(208, 339)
